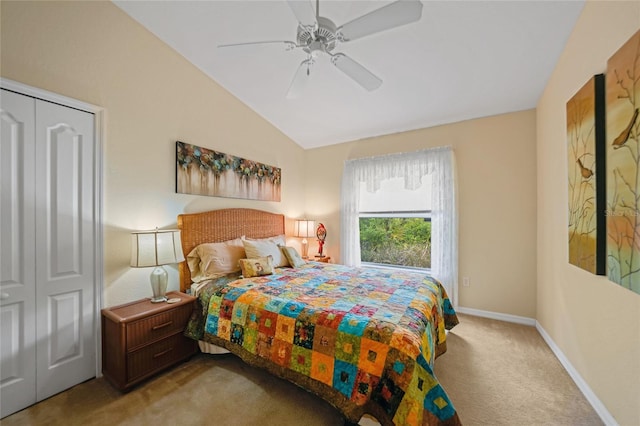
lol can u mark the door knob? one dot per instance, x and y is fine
(4, 295)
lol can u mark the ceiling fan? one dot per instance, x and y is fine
(318, 36)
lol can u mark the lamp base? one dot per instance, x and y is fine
(158, 278)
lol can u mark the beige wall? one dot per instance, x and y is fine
(496, 201)
(92, 51)
(595, 322)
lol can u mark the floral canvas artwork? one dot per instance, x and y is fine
(202, 171)
(623, 165)
(585, 151)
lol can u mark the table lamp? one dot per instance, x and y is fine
(304, 229)
(156, 248)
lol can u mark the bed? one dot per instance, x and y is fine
(365, 340)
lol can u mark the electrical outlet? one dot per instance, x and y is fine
(465, 282)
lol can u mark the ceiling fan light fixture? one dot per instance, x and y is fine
(315, 48)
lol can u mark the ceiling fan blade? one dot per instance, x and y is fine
(289, 45)
(357, 72)
(393, 15)
(303, 9)
(300, 79)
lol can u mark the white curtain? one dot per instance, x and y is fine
(411, 166)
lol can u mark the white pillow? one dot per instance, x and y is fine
(212, 260)
(292, 256)
(266, 247)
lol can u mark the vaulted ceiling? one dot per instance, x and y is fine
(461, 60)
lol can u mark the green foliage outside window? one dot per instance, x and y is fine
(396, 241)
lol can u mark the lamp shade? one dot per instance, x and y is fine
(155, 248)
(304, 228)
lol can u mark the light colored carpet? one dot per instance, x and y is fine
(495, 373)
(499, 373)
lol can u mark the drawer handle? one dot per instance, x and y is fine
(158, 327)
(159, 354)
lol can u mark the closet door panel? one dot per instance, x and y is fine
(17, 256)
(63, 195)
(65, 247)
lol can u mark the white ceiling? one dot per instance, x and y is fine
(462, 60)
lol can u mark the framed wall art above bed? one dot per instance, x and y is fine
(203, 171)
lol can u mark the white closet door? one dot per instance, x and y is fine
(65, 240)
(17, 257)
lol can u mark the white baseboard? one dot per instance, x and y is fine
(497, 316)
(591, 397)
(595, 402)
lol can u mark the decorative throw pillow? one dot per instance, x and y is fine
(266, 247)
(212, 260)
(257, 267)
(292, 256)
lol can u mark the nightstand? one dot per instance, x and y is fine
(142, 338)
(324, 259)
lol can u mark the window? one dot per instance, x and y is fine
(409, 168)
(401, 236)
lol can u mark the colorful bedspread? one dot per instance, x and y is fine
(363, 339)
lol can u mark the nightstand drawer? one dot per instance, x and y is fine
(157, 326)
(153, 357)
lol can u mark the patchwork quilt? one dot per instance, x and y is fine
(363, 339)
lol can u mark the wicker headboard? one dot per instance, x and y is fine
(222, 225)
